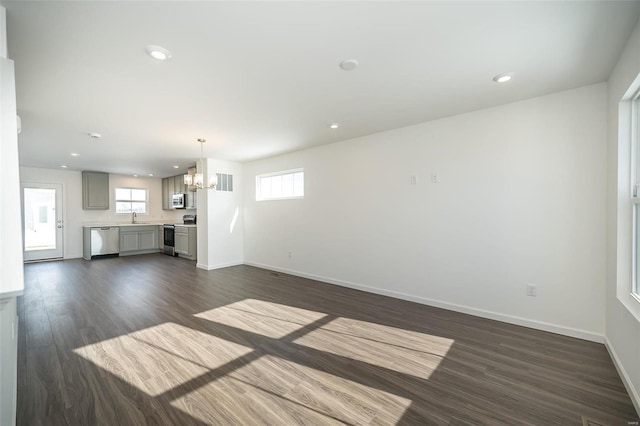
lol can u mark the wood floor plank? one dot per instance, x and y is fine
(153, 340)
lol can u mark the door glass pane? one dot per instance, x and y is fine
(39, 219)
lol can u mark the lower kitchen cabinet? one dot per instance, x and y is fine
(185, 238)
(138, 240)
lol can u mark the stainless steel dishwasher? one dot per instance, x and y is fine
(105, 241)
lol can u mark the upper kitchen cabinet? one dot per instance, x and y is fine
(175, 185)
(179, 185)
(168, 189)
(95, 191)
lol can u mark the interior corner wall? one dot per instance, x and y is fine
(519, 199)
(622, 327)
(220, 219)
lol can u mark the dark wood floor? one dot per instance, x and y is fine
(153, 340)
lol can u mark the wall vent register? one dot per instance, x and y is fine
(225, 182)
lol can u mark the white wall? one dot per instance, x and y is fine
(11, 274)
(220, 225)
(73, 214)
(623, 327)
(521, 200)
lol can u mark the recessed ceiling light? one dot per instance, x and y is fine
(64, 166)
(135, 175)
(94, 135)
(334, 125)
(159, 53)
(176, 167)
(74, 154)
(151, 174)
(503, 78)
(349, 64)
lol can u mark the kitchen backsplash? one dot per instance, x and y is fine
(164, 216)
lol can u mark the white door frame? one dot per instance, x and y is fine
(58, 252)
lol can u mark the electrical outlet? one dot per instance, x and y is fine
(532, 290)
(435, 178)
(413, 179)
(289, 255)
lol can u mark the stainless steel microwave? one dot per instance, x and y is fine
(179, 201)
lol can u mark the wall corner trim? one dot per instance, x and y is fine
(218, 266)
(538, 325)
(634, 393)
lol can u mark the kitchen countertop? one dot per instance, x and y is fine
(102, 224)
(122, 225)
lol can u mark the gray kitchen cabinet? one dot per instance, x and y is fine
(128, 241)
(165, 194)
(148, 240)
(138, 239)
(168, 188)
(161, 237)
(179, 186)
(175, 185)
(171, 190)
(95, 191)
(185, 238)
(182, 243)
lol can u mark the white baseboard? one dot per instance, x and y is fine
(631, 390)
(538, 325)
(218, 266)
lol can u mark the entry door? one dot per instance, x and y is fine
(42, 221)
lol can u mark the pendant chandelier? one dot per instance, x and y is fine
(197, 180)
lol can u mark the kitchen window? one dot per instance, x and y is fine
(131, 200)
(282, 185)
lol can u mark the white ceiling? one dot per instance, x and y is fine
(258, 79)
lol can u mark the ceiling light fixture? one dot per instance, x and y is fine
(349, 64)
(135, 175)
(74, 154)
(159, 53)
(64, 166)
(503, 78)
(197, 180)
(334, 125)
(176, 167)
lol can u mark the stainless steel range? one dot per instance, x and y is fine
(169, 239)
(170, 233)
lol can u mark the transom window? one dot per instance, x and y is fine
(131, 200)
(280, 185)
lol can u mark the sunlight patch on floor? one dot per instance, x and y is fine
(400, 337)
(265, 318)
(285, 392)
(387, 347)
(161, 357)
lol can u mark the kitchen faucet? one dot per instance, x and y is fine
(134, 217)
